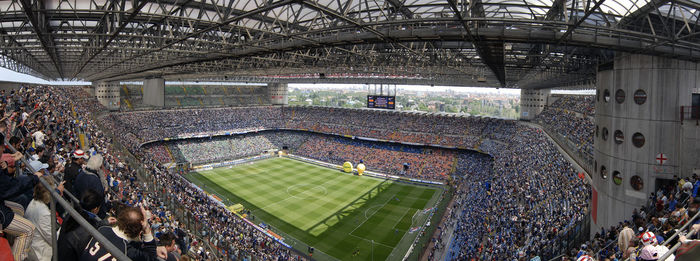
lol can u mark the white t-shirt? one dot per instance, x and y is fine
(39, 138)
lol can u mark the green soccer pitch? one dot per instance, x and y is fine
(345, 216)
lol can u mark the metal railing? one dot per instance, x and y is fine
(690, 113)
(679, 243)
(56, 197)
(669, 239)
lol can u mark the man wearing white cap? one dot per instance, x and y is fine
(74, 168)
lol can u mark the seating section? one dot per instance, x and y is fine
(433, 164)
(571, 116)
(195, 96)
(200, 151)
(520, 155)
(203, 229)
(584, 104)
(517, 198)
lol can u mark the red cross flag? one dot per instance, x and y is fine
(661, 158)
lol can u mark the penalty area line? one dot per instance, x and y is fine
(375, 212)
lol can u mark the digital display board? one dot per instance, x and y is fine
(381, 102)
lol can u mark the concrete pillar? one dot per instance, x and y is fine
(532, 102)
(90, 89)
(107, 94)
(637, 118)
(277, 93)
(154, 92)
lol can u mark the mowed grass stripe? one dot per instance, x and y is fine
(387, 219)
(277, 199)
(249, 186)
(347, 216)
(296, 209)
(303, 213)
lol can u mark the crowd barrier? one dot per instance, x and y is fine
(257, 130)
(55, 197)
(231, 162)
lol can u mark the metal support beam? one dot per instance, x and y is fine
(36, 16)
(641, 12)
(14, 41)
(556, 12)
(579, 21)
(134, 12)
(319, 8)
(248, 14)
(492, 54)
(399, 6)
(207, 6)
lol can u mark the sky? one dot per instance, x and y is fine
(435, 88)
(8, 75)
(12, 76)
(407, 88)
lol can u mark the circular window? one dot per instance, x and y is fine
(640, 96)
(603, 172)
(636, 182)
(619, 137)
(620, 96)
(605, 133)
(606, 95)
(638, 140)
(617, 177)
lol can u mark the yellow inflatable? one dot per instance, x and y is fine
(347, 167)
(360, 169)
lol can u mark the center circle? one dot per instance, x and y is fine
(305, 191)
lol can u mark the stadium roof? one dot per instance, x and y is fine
(500, 43)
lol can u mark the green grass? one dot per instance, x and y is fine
(334, 212)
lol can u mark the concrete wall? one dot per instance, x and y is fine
(667, 85)
(278, 93)
(532, 102)
(154, 92)
(107, 93)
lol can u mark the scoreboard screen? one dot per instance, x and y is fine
(381, 102)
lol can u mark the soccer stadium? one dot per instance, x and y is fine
(398, 130)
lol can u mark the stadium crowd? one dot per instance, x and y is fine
(142, 126)
(550, 192)
(47, 125)
(220, 148)
(523, 200)
(571, 116)
(145, 126)
(584, 104)
(578, 130)
(669, 208)
(533, 200)
(433, 164)
(518, 160)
